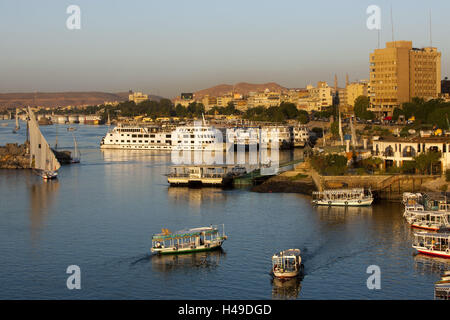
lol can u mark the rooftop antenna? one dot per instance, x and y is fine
(379, 38)
(392, 25)
(431, 34)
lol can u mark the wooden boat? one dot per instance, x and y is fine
(188, 241)
(42, 158)
(343, 197)
(287, 263)
(433, 244)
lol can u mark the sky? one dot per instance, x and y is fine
(172, 46)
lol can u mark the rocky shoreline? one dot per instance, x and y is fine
(15, 156)
(285, 184)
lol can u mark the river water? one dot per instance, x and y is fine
(100, 215)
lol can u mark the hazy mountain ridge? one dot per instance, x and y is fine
(55, 99)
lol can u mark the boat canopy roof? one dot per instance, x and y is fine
(187, 233)
(287, 253)
(433, 235)
(341, 191)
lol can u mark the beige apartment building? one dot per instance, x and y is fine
(400, 72)
(266, 99)
(318, 99)
(354, 90)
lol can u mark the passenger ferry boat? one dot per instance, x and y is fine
(433, 244)
(442, 287)
(287, 263)
(410, 198)
(343, 197)
(428, 220)
(189, 240)
(190, 137)
(203, 175)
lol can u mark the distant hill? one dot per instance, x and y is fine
(242, 88)
(55, 99)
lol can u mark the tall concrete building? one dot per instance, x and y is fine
(400, 72)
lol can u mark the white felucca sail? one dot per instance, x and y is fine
(16, 129)
(42, 158)
(76, 153)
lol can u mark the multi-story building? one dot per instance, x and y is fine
(209, 102)
(395, 151)
(137, 97)
(265, 99)
(185, 99)
(400, 72)
(354, 90)
(223, 101)
(318, 98)
(445, 86)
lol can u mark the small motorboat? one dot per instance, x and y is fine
(287, 264)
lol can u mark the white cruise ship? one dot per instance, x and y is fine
(245, 136)
(280, 135)
(300, 136)
(190, 137)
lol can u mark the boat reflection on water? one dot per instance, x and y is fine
(341, 214)
(427, 264)
(195, 197)
(188, 261)
(42, 196)
(117, 155)
(284, 289)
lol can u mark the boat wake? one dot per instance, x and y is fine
(331, 261)
(140, 259)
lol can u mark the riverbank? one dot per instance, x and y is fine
(15, 156)
(304, 179)
(298, 180)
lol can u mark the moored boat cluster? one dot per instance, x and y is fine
(432, 216)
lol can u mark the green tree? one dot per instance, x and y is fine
(425, 161)
(334, 128)
(303, 117)
(361, 106)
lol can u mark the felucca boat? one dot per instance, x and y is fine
(42, 158)
(17, 128)
(76, 153)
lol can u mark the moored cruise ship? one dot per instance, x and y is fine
(300, 135)
(191, 137)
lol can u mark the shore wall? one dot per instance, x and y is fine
(389, 187)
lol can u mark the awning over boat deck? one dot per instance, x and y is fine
(185, 233)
